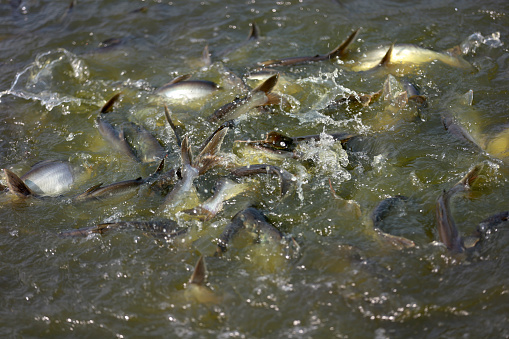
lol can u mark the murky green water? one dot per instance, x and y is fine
(344, 281)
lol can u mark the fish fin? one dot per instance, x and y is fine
(185, 152)
(172, 125)
(267, 85)
(180, 78)
(205, 56)
(468, 98)
(471, 176)
(200, 213)
(92, 189)
(210, 148)
(274, 99)
(16, 185)
(420, 99)
(340, 50)
(254, 31)
(386, 60)
(199, 273)
(108, 106)
(160, 168)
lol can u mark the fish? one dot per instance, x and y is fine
(497, 143)
(339, 51)
(225, 189)
(462, 121)
(110, 134)
(161, 228)
(193, 168)
(259, 96)
(252, 221)
(405, 56)
(491, 223)
(447, 229)
(50, 177)
(149, 148)
(196, 289)
(46, 178)
(286, 147)
(99, 192)
(182, 88)
(253, 35)
(16, 185)
(380, 212)
(286, 178)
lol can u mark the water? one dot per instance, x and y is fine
(344, 281)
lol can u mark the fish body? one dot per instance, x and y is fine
(259, 96)
(99, 192)
(50, 178)
(166, 228)
(115, 138)
(405, 55)
(188, 89)
(253, 221)
(286, 178)
(149, 148)
(447, 229)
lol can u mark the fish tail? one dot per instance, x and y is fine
(199, 273)
(16, 185)
(471, 176)
(386, 60)
(267, 85)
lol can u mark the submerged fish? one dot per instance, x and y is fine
(259, 96)
(182, 88)
(196, 288)
(254, 222)
(286, 178)
(337, 52)
(225, 189)
(404, 56)
(447, 229)
(193, 168)
(380, 212)
(148, 147)
(110, 134)
(99, 191)
(161, 228)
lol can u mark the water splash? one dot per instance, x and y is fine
(477, 39)
(48, 77)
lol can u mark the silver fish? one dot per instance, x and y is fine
(182, 88)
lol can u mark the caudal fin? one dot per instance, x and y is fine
(16, 185)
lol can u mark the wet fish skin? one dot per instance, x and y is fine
(253, 221)
(380, 212)
(49, 177)
(337, 52)
(161, 228)
(406, 54)
(492, 222)
(447, 229)
(225, 189)
(99, 192)
(115, 138)
(286, 178)
(187, 89)
(149, 147)
(240, 106)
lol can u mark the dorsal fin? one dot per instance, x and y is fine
(205, 56)
(386, 60)
(200, 272)
(92, 189)
(108, 106)
(180, 78)
(172, 125)
(340, 50)
(254, 31)
(267, 85)
(16, 185)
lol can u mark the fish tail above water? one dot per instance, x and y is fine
(108, 106)
(254, 31)
(16, 185)
(386, 60)
(199, 273)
